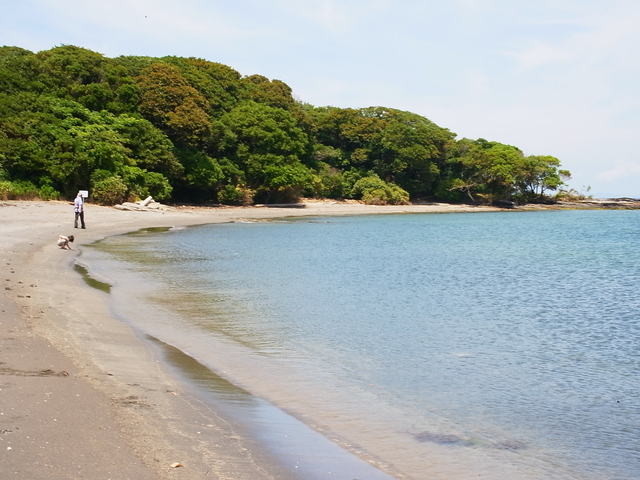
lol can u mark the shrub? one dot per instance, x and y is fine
(22, 190)
(235, 195)
(109, 191)
(5, 190)
(327, 183)
(47, 192)
(349, 180)
(157, 185)
(372, 190)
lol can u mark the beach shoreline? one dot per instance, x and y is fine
(81, 396)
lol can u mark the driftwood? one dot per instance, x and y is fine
(146, 205)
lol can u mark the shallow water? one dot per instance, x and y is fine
(437, 346)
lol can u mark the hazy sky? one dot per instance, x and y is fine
(552, 77)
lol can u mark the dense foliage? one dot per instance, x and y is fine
(190, 130)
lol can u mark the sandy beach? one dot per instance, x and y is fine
(80, 395)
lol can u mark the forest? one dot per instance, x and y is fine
(188, 130)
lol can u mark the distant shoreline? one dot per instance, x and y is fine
(338, 206)
(594, 203)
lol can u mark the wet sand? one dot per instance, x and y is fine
(81, 396)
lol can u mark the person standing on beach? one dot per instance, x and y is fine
(79, 210)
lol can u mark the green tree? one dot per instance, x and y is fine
(497, 171)
(148, 147)
(327, 182)
(75, 73)
(269, 149)
(274, 93)
(203, 176)
(174, 106)
(539, 174)
(400, 147)
(59, 144)
(18, 71)
(219, 84)
(353, 133)
(69, 65)
(412, 151)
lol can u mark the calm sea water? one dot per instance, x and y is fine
(502, 345)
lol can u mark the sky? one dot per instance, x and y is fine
(551, 77)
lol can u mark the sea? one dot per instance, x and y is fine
(496, 345)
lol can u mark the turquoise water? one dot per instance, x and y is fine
(504, 345)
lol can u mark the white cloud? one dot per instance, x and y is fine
(622, 169)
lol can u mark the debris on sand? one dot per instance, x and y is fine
(148, 204)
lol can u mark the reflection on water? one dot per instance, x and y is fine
(203, 378)
(309, 455)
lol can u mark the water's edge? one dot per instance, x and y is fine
(301, 451)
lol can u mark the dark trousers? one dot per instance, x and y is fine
(79, 215)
